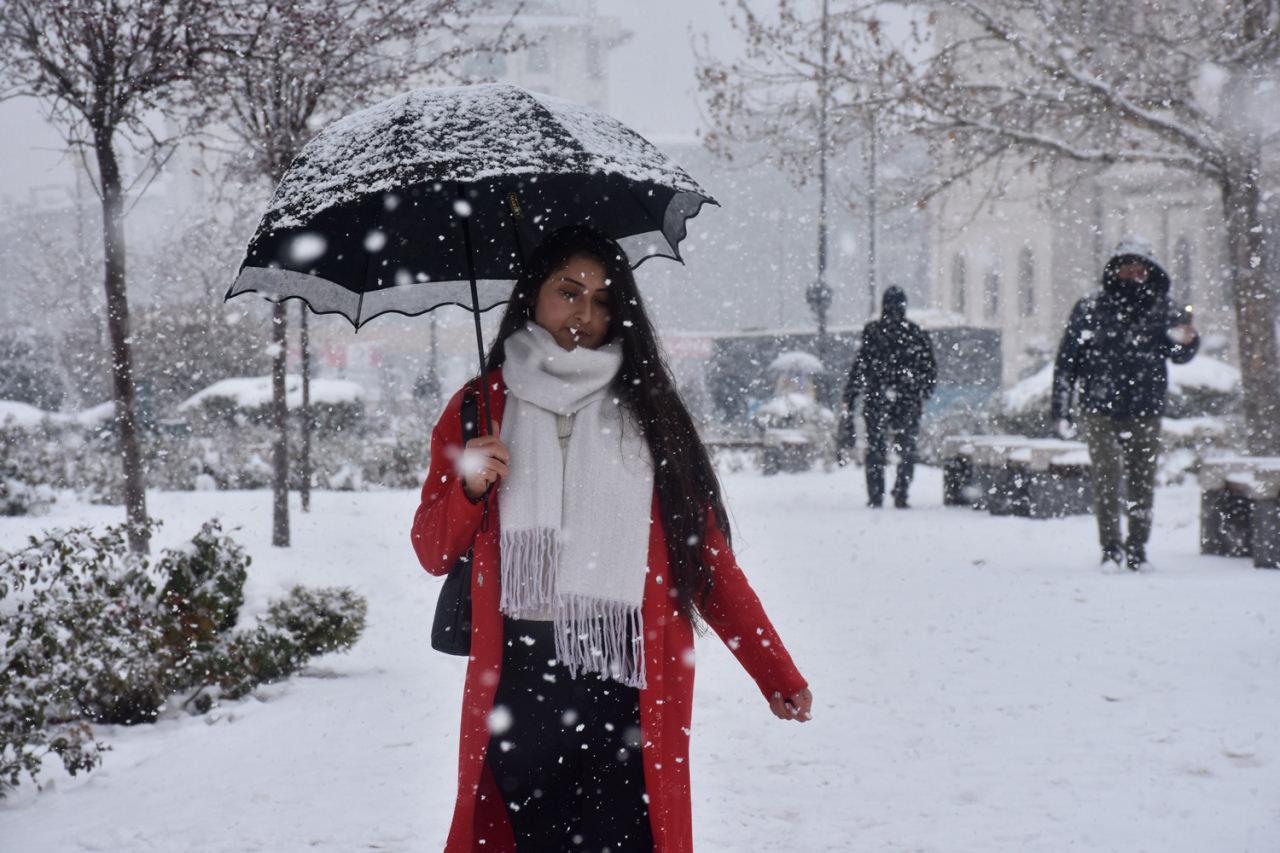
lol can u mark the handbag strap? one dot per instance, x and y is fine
(470, 414)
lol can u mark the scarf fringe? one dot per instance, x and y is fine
(600, 636)
(529, 560)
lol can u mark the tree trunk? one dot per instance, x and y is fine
(1255, 304)
(280, 420)
(304, 483)
(135, 491)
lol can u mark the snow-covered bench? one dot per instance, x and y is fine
(1240, 508)
(1016, 475)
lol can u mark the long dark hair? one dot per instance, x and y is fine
(683, 476)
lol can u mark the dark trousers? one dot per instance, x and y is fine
(565, 752)
(881, 428)
(1123, 453)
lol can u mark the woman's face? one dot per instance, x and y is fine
(573, 304)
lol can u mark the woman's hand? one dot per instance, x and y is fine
(484, 462)
(797, 706)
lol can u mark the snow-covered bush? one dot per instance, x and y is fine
(22, 492)
(336, 404)
(72, 452)
(301, 626)
(394, 457)
(28, 369)
(91, 634)
(1203, 387)
(18, 497)
(796, 431)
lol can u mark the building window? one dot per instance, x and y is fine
(957, 284)
(1027, 282)
(1182, 271)
(991, 294)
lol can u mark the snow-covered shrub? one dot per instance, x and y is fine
(1203, 387)
(24, 484)
(303, 625)
(1185, 442)
(204, 586)
(29, 370)
(336, 404)
(61, 455)
(319, 621)
(92, 634)
(69, 453)
(392, 455)
(18, 497)
(66, 597)
(796, 431)
(398, 461)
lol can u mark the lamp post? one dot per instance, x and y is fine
(818, 294)
(873, 145)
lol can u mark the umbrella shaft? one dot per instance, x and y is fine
(475, 314)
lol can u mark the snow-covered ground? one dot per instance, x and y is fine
(979, 686)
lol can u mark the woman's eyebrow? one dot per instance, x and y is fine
(604, 290)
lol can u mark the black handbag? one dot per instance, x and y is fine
(451, 628)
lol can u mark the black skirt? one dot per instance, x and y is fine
(566, 752)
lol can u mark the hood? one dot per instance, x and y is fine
(1129, 250)
(1156, 285)
(893, 305)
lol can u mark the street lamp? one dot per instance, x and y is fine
(818, 294)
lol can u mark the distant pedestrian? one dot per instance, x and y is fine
(895, 372)
(1115, 349)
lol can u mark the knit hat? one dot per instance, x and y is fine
(1135, 246)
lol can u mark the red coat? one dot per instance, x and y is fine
(447, 523)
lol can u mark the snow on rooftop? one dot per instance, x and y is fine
(252, 392)
(97, 415)
(26, 416)
(22, 415)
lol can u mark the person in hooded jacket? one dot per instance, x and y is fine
(1115, 350)
(895, 372)
(599, 542)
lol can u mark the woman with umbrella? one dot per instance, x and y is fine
(600, 539)
(593, 516)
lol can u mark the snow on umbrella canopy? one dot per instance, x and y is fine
(402, 206)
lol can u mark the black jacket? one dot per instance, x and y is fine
(1116, 345)
(894, 369)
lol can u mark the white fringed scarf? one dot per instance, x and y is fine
(575, 524)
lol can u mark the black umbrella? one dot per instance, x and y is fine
(435, 197)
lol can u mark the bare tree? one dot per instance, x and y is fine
(288, 66)
(1173, 86)
(797, 72)
(102, 67)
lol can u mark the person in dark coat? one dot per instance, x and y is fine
(895, 372)
(1115, 350)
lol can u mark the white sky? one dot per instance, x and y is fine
(651, 87)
